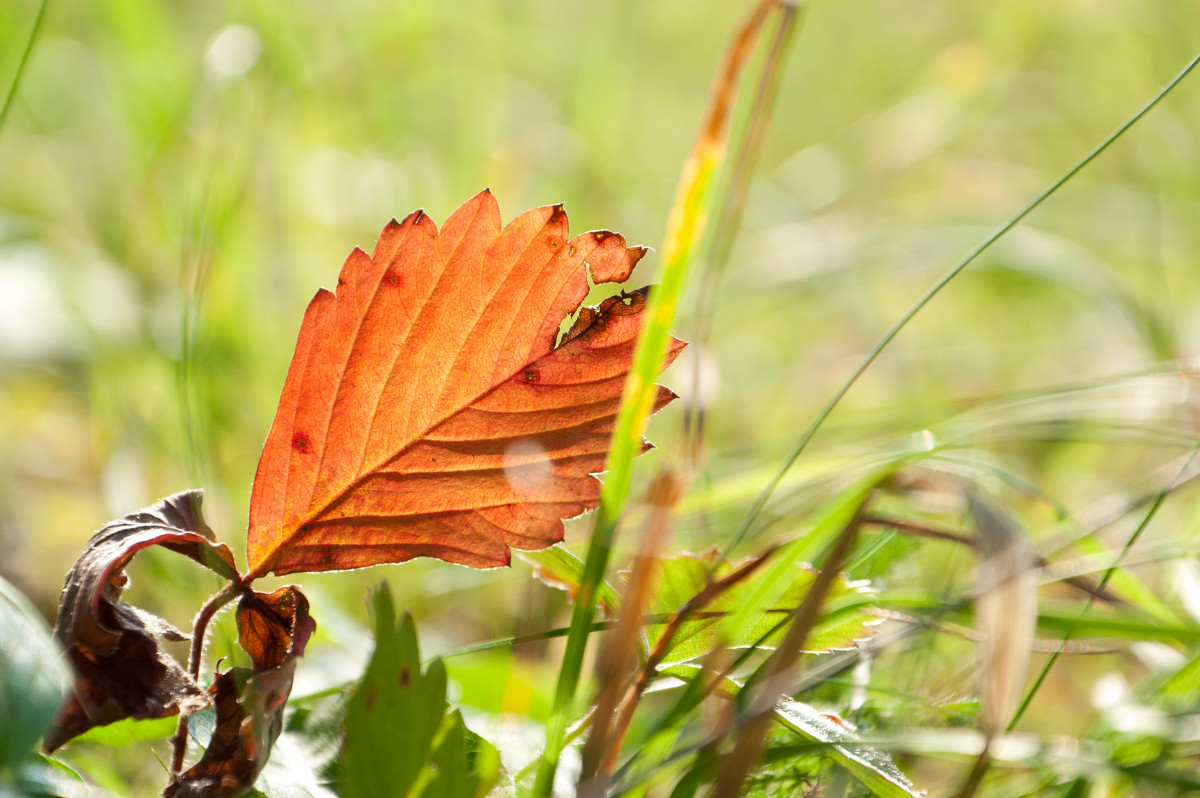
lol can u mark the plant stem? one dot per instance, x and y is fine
(199, 629)
(620, 655)
(728, 221)
(685, 226)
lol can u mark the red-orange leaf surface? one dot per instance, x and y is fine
(427, 410)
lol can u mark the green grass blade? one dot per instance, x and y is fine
(937, 287)
(16, 81)
(1151, 511)
(685, 227)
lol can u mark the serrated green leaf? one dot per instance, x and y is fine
(825, 528)
(32, 675)
(872, 767)
(399, 739)
(679, 578)
(394, 714)
(559, 568)
(447, 774)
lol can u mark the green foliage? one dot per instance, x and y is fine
(846, 621)
(829, 737)
(32, 676)
(37, 776)
(399, 737)
(177, 178)
(558, 567)
(129, 730)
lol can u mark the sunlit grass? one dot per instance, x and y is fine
(175, 181)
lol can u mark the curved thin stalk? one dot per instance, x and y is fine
(199, 629)
(937, 287)
(12, 88)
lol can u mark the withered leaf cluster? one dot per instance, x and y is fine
(273, 628)
(121, 669)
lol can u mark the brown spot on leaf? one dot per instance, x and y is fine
(405, 677)
(301, 443)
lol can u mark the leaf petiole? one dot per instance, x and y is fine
(199, 629)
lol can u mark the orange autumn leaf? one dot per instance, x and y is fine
(428, 411)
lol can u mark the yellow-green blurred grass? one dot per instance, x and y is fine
(140, 175)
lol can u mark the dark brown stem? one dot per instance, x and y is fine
(199, 630)
(920, 529)
(978, 770)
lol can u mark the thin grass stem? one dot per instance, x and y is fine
(16, 81)
(937, 287)
(685, 226)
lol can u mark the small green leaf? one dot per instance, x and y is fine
(130, 730)
(558, 567)
(399, 739)
(394, 714)
(846, 619)
(870, 766)
(32, 675)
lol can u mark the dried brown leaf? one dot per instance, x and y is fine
(120, 669)
(274, 629)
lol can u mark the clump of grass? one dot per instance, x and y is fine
(807, 185)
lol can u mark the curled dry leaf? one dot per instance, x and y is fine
(274, 629)
(428, 410)
(120, 669)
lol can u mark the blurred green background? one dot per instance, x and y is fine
(176, 179)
